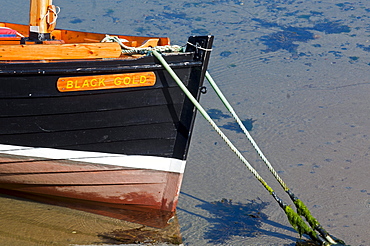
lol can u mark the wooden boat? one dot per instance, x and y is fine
(82, 119)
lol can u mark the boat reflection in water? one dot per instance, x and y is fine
(29, 220)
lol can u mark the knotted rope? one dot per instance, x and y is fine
(141, 50)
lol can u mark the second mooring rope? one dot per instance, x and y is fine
(301, 207)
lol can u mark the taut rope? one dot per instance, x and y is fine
(294, 219)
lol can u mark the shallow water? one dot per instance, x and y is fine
(297, 73)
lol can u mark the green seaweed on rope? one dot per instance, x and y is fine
(302, 210)
(298, 224)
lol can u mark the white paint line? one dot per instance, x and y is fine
(133, 161)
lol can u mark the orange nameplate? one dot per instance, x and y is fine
(101, 82)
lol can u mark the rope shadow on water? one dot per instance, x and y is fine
(230, 219)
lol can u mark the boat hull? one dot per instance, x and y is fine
(143, 181)
(124, 146)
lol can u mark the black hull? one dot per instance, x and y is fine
(155, 120)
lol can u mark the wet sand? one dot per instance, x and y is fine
(298, 74)
(26, 222)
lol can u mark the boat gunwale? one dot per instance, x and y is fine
(57, 32)
(97, 70)
(125, 58)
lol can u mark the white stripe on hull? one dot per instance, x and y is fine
(132, 161)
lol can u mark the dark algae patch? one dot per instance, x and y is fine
(285, 40)
(217, 114)
(76, 20)
(233, 126)
(234, 219)
(225, 53)
(353, 59)
(110, 13)
(289, 37)
(331, 27)
(365, 48)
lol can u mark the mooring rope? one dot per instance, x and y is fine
(209, 119)
(245, 131)
(141, 50)
(295, 220)
(198, 47)
(301, 207)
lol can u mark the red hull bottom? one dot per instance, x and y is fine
(108, 184)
